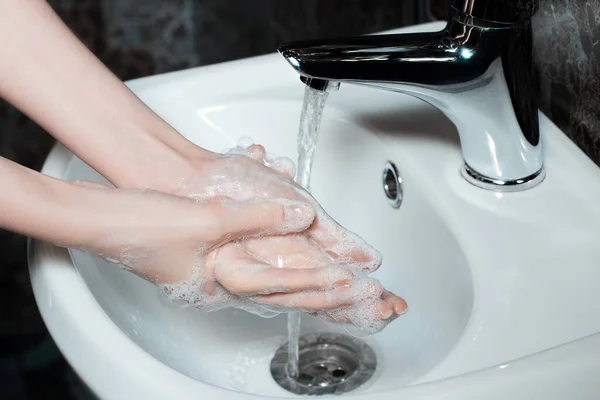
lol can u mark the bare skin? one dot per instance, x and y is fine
(56, 81)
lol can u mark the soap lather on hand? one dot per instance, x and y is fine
(341, 290)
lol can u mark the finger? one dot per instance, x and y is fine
(257, 152)
(210, 285)
(381, 311)
(289, 251)
(242, 274)
(385, 310)
(210, 288)
(398, 304)
(324, 300)
(284, 166)
(260, 279)
(343, 245)
(388, 307)
(236, 220)
(342, 319)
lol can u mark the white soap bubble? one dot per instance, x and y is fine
(364, 291)
(245, 142)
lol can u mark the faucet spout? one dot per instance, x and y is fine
(420, 58)
(479, 73)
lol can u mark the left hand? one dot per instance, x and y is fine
(338, 291)
(243, 177)
(247, 175)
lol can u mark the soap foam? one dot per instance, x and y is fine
(365, 292)
(350, 243)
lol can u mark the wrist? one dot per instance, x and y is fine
(157, 158)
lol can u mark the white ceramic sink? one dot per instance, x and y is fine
(502, 288)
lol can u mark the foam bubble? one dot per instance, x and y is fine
(297, 215)
(333, 273)
(364, 291)
(244, 142)
(170, 302)
(282, 164)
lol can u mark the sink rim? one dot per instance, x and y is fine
(53, 274)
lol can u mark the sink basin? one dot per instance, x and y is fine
(502, 288)
(347, 179)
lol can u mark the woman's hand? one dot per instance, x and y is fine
(245, 174)
(171, 240)
(350, 297)
(230, 254)
(157, 236)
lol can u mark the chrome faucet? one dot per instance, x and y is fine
(478, 71)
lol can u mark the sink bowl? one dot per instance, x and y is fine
(424, 261)
(501, 286)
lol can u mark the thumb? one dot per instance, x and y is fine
(272, 217)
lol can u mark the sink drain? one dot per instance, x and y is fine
(330, 363)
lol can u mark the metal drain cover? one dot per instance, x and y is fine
(330, 363)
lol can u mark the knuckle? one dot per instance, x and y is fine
(271, 215)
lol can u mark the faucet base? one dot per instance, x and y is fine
(499, 185)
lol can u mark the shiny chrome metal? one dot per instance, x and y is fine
(478, 71)
(502, 186)
(324, 86)
(392, 185)
(330, 363)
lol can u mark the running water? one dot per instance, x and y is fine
(310, 121)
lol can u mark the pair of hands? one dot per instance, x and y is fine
(208, 224)
(236, 230)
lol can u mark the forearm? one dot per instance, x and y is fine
(42, 207)
(53, 78)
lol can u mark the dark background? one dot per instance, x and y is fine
(136, 38)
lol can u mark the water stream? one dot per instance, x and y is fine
(310, 122)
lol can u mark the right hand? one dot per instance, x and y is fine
(193, 251)
(168, 240)
(244, 174)
(339, 293)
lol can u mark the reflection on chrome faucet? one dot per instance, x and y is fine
(478, 71)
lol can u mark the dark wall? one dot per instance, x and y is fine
(567, 43)
(136, 38)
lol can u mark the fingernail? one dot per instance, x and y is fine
(399, 310)
(298, 216)
(333, 276)
(374, 260)
(332, 254)
(387, 313)
(342, 288)
(345, 283)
